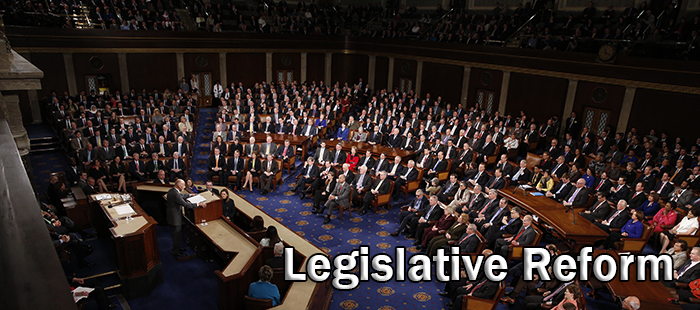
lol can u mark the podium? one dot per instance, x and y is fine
(135, 239)
(212, 212)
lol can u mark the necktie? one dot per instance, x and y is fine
(574, 195)
(560, 188)
(337, 153)
(80, 144)
(285, 151)
(661, 188)
(379, 185)
(427, 215)
(485, 206)
(235, 164)
(417, 204)
(600, 184)
(422, 162)
(89, 156)
(393, 171)
(138, 167)
(269, 166)
(125, 152)
(407, 172)
(515, 177)
(613, 217)
(674, 175)
(217, 161)
(522, 230)
(254, 166)
(465, 238)
(175, 163)
(155, 162)
(268, 149)
(99, 141)
(476, 178)
(448, 188)
(504, 226)
(359, 182)
(436, 165)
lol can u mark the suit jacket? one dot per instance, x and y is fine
(291, 151)
(485, 291)
(469, 244)
(312, 132)
(180, 164)
(496, 184)
(690, 274)
(600, 212)
(367, 161)
(620, 220)
(428, 161)
(314, 172)
(506, 168)
(342, 192)
(383, 188)
(212, 162)
(366, 181)
(375, 137)
(410, 175)
(561, 194)
(422, 205)
(622, 193)
(176, 201)
(183, 150)
(394, 141)
(605, 187)
(523, 177)
(451, 192)
(341, 157)
(483, 178)
(275, 262)
(74, 145)
(580, 199)
(250, 148)
(439, 166)
(636, 201)
(381, 165)
(273, 148)
(274, 169)
(527, 235)
(105, 154)
(325, 157)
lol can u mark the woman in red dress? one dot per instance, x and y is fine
(353, 159)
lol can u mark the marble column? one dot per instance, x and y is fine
(627, 102)
(124, 73)
(568, 104)
(390, 80)
(180, 66)
(302, 77)
(503, 100)
(419, 78)
(268, 68)
(223, 74)
(70, 73)
(371, 71)
(465, 85)
(328, 71)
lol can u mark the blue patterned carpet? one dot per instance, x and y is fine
(195, 278)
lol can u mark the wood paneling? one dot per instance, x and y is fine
(248, 68)
(540, 97)
(404, 68)
(208, 62)
(54, 73)
(315, 67)
(349, 68)
(381, 71)
(151, 71)
(613, 102)
(668, 112)
(442, 80)
(286, 61)
(81, 64)
(479, 80)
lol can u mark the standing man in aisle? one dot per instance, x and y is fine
(176, 201)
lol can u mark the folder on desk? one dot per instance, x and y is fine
(536, 194)
(196, 199)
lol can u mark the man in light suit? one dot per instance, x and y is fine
(176, 201)
(251, 148)
(269, 147)
(322, 154)
(339, 197)
(524, 236)
(599, 210)
(269, 171)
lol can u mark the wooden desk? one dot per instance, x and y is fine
(376, 150)
(78, 210)
(212, 212)
(554, 214)
(137, 245)
(301, 295)
(653, 295)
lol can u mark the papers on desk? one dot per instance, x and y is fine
(123, 209)
(103, 197)
(196, 199)
(535, 218)
(525, 186)
(81, 289)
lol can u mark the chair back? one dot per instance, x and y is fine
(258, 235)
(257, 303)
(278, 279)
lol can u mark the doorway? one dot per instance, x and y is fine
(596, 119)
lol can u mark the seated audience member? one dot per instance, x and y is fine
(451, 234)
(687, 227)
(523, 237)
(546, 182)
(278, 260)
(433, 187)
(263, 289)
(228, 207)
(442, 224)
(339, 197)
(679, 253)
(651, 206)
(687, 272)
(617, 218)
(190, 185)
(599, 210)
(632, 229)
(272, 237)
(561, 190)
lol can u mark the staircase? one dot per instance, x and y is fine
(44, 144)
(186, 19)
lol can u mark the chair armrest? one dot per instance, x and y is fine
(420, 213)
(667, 226)
(442, 231)
(615, 229)
(598, 220)
(507, 235)
(451, 242)
(404, 208)
(546, 306)
(694, 300)
(431, 222)
(681, 285)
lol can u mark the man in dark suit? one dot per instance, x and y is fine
(338, 156)
(176, 201)
(648, 179)
(308, 175)
(495, 217)
(561, 190)
(559, 168)
(496, 181)
(479, 216)
(367, 160)
(687, 272)
(375, 137)
(176, 166)
(209, 187)
(137, 169)
(380, 187)
(409, 174)
(616, 219)
(415, 208)
(439, 166)
(602, 184)
(217, 167)
(448, 190)
(599, 210)
(521, 175)
(487, 149)
(418, 224)
(278, 260)
(507, 225)
(468, 242)
(424, 160)
(664, 187)
(578, 196)
(234, 168)
(480, 176)
(638, 197)
(286, 151)
(619, 191)
(142, 148)
(361, 184)
(475, 201)
(339, 197)
(269, 171)
(322, 154)
(524, 236)
(154, 166)
(484, 289)
(572, 125)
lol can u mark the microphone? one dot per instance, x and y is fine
(515, 189)
(568, 209)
